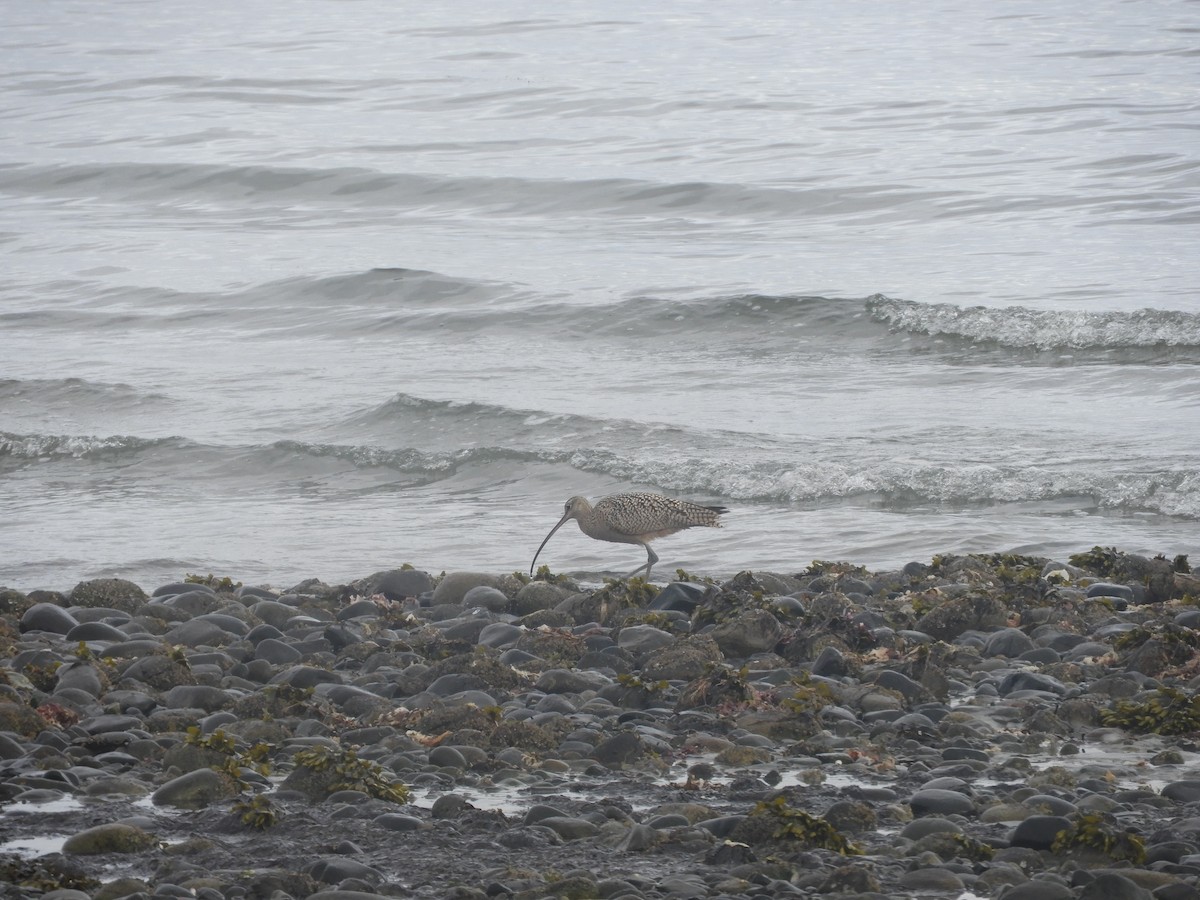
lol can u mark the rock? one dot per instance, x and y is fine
(21, 719)
(487, 597)
(642, 639)
(116, 593)
(111, 838)
(619, 750)
(537, 596)
(47, 617)
(1007, 642)
(749, 632)
(1113, 886)
(1038, 832)
(1187, 791)
(954, 616)
(400, 584)
(96, 631)
(686, 659)
(454, 586)
(569, 828)
(1039, 890)
(195, 790)
(937, 802)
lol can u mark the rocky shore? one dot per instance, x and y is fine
(971, 727)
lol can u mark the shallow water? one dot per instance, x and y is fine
(327, 289)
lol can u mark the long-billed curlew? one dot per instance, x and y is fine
(635, 518)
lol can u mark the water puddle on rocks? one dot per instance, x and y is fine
(33, 847)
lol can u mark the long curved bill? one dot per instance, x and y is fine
(550, 535)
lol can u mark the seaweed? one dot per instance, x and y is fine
(796, 824)
(1094, 832)
(351, 773)
(1170, 711)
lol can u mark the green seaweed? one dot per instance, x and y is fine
(224, 583)
(796, 824)
(1170, 711)
(258, 812)
(1093, 832)
(352, 773)
(1104, 561)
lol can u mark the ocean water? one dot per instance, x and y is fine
(319, 288)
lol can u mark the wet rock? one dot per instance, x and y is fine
(47, 617)
(195, 790)
(111, 838)
(684, 660)
(1038, 832)
(400, 584)
(116, 593)
(938, 802)
(455, 585)
(954, 616)
(749, 632)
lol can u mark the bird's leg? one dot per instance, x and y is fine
(651, 559)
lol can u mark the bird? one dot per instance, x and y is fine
(634, 518)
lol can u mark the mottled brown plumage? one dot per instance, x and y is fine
(636, 518)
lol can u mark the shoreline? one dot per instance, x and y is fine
(974, 725)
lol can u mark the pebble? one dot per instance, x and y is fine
(952, 724)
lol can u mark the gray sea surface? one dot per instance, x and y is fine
(318, 288)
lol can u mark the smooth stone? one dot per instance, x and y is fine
(831, 663)
(47, 617)
(619, 749)
(225, 622)
(1030, 681)
(919, 828)
(273, 613)
(1039, 890)
(569, 828)
(306, 677)
(336, 869)
(400, 584)
(456, 683)
(196, 696)
(1107, 589)
(181, 587)
(454, 586)
(110, 722)
(486, 596)
(931, 879)
(749, 632)
(398, 822)
(639, 639)
(570, 681)
(192, 603)
(362, 609)
(940, 802)
(1038, 832)
(79, 676)
(262, 632)
(679, 596)
(112, 837)
(276, 652)
(899, 682)
(447, 757)
(197, 633)
(195, 790)
(500, 635)
(1050, 805)
(96, 631)
(1007, 642)
(1182, 791)
(1113, 886)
